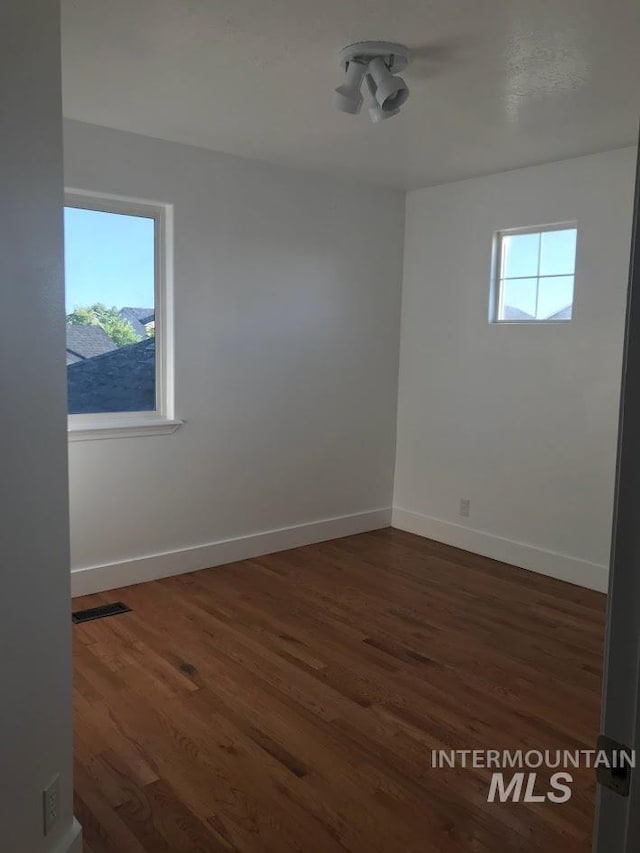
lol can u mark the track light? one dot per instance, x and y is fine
(378, 62)
(390, 92)
(348, 98)
(376, 113)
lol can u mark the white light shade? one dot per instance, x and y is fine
(377, 114)
(348, 98)
(389, 92)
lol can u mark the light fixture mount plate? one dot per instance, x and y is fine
(395, 56)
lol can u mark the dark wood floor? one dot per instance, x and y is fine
(290, 703)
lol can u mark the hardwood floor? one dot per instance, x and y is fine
(291, 703)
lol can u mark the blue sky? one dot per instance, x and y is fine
(109, 258)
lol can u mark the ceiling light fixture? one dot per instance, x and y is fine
(378, 62)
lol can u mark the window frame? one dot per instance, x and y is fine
(496, 280)
(162, 419)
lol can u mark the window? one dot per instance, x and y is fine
(534, 273)
(117, 307)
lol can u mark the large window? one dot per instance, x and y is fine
(534, 275)
(117, 309)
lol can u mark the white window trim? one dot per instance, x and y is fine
(163, 420)
(496, 295)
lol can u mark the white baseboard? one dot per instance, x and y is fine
(561, 566)
(85, 581)
(72, 842)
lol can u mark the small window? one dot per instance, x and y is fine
(534, 275)
(116, 309)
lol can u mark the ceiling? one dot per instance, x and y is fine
(495, 84)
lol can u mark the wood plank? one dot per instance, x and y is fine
(291, 703)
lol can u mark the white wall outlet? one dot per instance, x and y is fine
(51, 804)
(465, 507)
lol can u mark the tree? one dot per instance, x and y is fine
(119, 330)
(82, 316)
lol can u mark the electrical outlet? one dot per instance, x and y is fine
(51, 804)
(465, 507)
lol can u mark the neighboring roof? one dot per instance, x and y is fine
(565, 314)
(511, 313)
(86, 342)
(138, 317)
(123, 380)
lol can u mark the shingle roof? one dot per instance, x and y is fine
(123, 380)
(511, 313)
(86, 342)
(138, 317)
(564, 314)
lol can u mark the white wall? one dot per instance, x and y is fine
(287, 304)
(35, 623)
(521, 419)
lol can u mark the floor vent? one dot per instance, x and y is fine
(100, 612)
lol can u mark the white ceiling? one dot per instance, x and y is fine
(495, 84)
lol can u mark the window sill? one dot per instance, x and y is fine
(530, 322)
(91, 430)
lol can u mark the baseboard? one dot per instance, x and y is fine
(72, 842)
(85, 581)
(561, 566)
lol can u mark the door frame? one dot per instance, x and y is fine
(617, 821)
